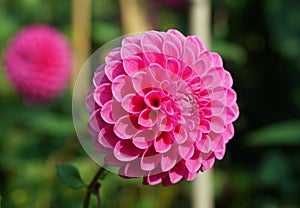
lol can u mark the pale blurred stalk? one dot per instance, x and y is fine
(81, 38)
(133, 16)
(200, 20)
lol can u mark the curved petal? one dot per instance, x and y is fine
(142, 82)
(143, 139)
(112, 71)
(121, 86)
(129, 49)
(180, 134)
(168, 160)
(112, 111)
(107, 138)
(186, 150)
(177, 172)
(147, 118)
(125, 151)
(194, 163)
(150, 159)
(102, 94)
(133, 103)
(124, 128)
(163, 142)
(133, 64)
(95, 121)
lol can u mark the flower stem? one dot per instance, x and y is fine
(93, 188)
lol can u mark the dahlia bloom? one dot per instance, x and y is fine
(161, 108)
(38, 62)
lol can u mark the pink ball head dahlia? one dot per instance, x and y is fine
(38, 62)
(161, 108)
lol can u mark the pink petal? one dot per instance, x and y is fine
(199, 43)
(189, 176)
(180, 134)
(157, 72)
(217, 107)
(194, 163)
(229, 132)
(114, 70)
(178, 34)
(219, 93)
(187, 73)
(186, 150)
(165, 124)
(192, 45)
(143, 139)
(218, 124)
(177, 172)
(170, 50)
(131, 39)
(152, 38)
(107, 138)
(154, 179)
(96, 122)
(112, 111)
(126, 151)
(163, 142)
(217, 60)
(133, 169)
(219, 150)
(200, 67)
(124, 128)
(102, 94)
(141, 82)
(176, 41)
(204, 126)
(168, 160)
(232, 113)
(205, 144)
(153, 100)
(122, 86)
(150, 159)
(173, 68)
(130, 49)
(230, 97)
(133, 64)
(208, 163)
(188, 57)
(90, 102)
(228, 80)
(113, 57)
(99, 148)
(100, 76)
(133, 103)
(147, 118)
(111, 160)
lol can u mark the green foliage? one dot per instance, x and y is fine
(70, 176)
(282, 133)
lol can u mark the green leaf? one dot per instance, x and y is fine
(70, 176)
(282, 133)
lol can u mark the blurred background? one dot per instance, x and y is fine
(260, 45)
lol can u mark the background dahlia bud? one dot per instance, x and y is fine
(161, 108)
(38, 62)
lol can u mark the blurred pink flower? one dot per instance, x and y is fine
(161, 107)
(38, 62)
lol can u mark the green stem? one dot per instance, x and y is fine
(93, 188)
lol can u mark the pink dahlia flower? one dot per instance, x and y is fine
(161, 108)
(38, 62)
